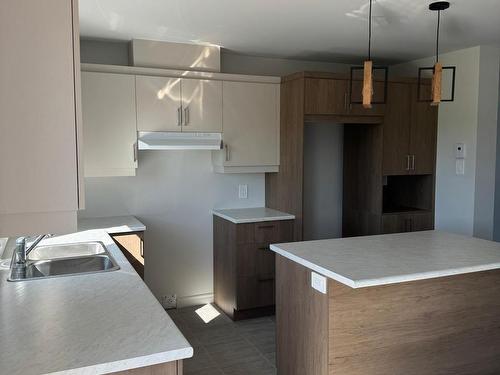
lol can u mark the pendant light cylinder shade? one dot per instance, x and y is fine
(437, 79)
(367, 92)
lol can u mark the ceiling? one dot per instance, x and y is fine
(334, 30)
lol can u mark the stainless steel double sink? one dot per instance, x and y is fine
(64, 260)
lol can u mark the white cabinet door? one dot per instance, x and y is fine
(202, 105)
(158, 103)
(109, 124)
(38, 116)
(251, 127)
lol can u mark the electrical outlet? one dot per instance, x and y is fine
(169, 301)
(243, 191)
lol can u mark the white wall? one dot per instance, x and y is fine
(173, 195)
(464, 203)
(174, 192)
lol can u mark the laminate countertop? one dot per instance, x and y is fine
(112, 224)
(393, 258)
(87, 324)
(252, 215)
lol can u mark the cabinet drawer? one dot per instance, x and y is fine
(273, 232)
(253, 292)
(255, 260)
(407, 222)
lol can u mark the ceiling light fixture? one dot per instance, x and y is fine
(368, 72)
(438, 68)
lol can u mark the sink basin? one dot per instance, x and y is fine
(70, 266)
(64, 260)
(46, 252)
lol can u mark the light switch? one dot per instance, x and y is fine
(318, 282)
(460, 151)
(243, 191)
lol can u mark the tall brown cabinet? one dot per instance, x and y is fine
(389, 153)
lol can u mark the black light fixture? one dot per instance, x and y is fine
(438, 68)
(368, 70)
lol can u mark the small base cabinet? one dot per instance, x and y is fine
(132, 246)
(244, 267)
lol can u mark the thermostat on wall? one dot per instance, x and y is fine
(460, 151)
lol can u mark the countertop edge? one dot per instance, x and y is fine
(130, 363)
(253, 220)
(122, 224)
(365, 283)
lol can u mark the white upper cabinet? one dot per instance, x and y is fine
(201, 105)
(178, 104)
(109, 124)
(159, 105)
(251, 128)
(40, 190)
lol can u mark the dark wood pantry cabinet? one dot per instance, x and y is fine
(409, 132)
(389, 152)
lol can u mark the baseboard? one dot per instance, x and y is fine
(198, 299)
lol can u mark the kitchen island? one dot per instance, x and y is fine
(97, 323)
(411, 303)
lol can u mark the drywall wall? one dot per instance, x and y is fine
(496, 226)
(235, 63)
(464, 203)
(174, 192)
(323, 169)
(104, 52)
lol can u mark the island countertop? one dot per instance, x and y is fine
(87, 324)
(393, 258)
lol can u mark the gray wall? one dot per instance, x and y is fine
(174, 191)
(323, 169)
(496, 229)
(104, 52)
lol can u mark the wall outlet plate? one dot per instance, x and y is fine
(318, 282)
(169, 301)
(243, 191)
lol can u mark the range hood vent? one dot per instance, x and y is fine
(179, 141)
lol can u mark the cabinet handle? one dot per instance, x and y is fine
(413, 162)
(228, 154)
(345, 100)
(142, 249)
(263, 279)
(186, 116)
(266, 226)
(407, 162)
(134, 146)
(179, 116)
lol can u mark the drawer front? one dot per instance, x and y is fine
(255, 260)
(273, 232)
(255, 292)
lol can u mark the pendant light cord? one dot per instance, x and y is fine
(370, 33)
(437, 36)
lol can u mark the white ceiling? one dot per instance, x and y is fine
(333, 30)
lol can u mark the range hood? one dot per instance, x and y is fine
(179, 141)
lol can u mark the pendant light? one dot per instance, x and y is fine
(368, 72)
(438, 68)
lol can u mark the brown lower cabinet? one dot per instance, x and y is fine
(244, 266)
(407, 222)
(169, 368)
(132, 246)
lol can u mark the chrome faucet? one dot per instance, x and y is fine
(22, 250)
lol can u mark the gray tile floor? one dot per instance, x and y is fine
(224, 347)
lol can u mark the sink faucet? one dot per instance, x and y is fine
(22, 250)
